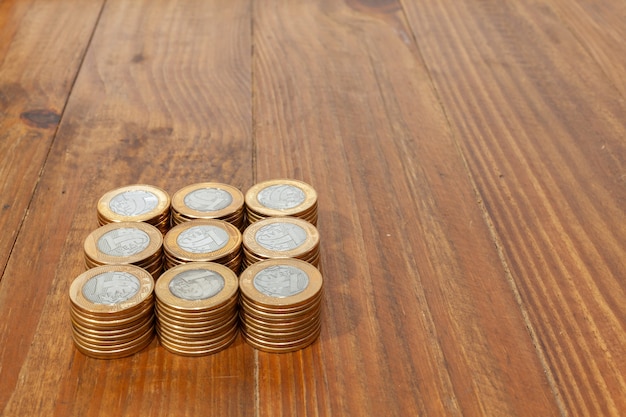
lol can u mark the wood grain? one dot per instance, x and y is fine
(163, 98)
(545, 147)
(419, 316)
(34, 35)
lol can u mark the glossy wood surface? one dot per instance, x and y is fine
(470, 161)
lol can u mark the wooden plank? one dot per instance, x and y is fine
(419, 318)
(41, 47)
(163, 98)
(540, 123)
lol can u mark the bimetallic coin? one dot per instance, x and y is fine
(281, 197)
(123, 243)
(111, 288)
(136, 203)
(202, 241)
(280, 282)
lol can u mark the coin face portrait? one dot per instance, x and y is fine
(196, 284)
(281, 197)
(280, 236)
(133, 203)
(202, 239)
(208, 199)
(123, 242)
(111, 288)
(281, 281)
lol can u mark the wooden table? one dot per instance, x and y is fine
(470, 160)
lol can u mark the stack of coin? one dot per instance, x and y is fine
(136, 203)
(196, 308)
(280, 304)
(281, 237)
(279, 198)
(203, 241)
(209, 200)
(112, 311)
(133, 243)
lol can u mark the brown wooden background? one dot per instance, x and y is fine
(470, 160)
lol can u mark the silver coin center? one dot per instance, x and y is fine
(281, 196)
(208, 199)
(133, 203)
(281, 281)
(280, 236)
(111, 288)
(196, 284)
(202, 239)
(125, 241)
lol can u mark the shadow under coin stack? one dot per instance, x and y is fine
(280, 304)
(136, 203)
(279, 238)
(203, 241)
(209, 200)
(131, 243)
(279, 198)
(112, 311)
(196, 308)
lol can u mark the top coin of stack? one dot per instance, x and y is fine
(209, 200)
(279, 198)
(134, 243)
(281, 237)
(203, 241)
(136, 203)
(112, 311)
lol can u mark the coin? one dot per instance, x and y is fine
(208, 200)
(135, 203)
(281, 197)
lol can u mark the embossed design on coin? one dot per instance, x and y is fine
(281, 281)
(133, 203)
(123, 242)
(196, 284)
(208, 199)
(202, 239)
(281, 197)
(111, 288)
(280, 236)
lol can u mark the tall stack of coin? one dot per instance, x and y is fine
(209, 200)
(133, 243)
(196, 308)
(280, 304)
(203, 241)
(279, 198)
(281, 237)
(136, 203)
(112, 311)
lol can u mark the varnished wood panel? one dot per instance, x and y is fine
(419, 317)
(41, 47)
(540, 119)
(163, 97)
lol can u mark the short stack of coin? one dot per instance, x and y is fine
(203, 241)
(280, 304)
(209, 200)
(196, 308)
(279, 238)
(112, 311)
(279, 198)
(136, 203)
(132, 243)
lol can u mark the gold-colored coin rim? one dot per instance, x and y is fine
(165, 296)
(253, 204)
(248, 289)
(145, 290)
(199, 352)
(236, 205)
(173, 251)
(92, 252)
(280, 348)
(163, 205)
(310, 244)
(99, 354)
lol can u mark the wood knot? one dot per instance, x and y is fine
(41, 118)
